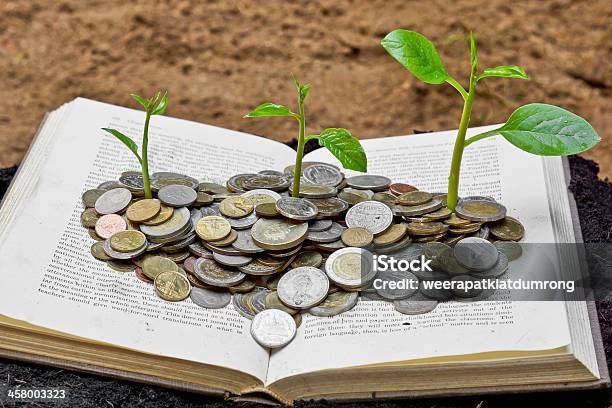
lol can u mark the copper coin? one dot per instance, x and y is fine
(140, 275)
(110, 224)
(401, 188)
(188, 264)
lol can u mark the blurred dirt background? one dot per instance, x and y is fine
(218, 59)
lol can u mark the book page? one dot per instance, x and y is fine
(374, 333)
(50, 279)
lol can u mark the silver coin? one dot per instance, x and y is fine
(212, 273)
(351, 267)
(415, 305)
(465, 292)
(212, 209)
(330, 246)
(113, 201)
(369, 182)
(414, 210)
(275, 183)
(154, 246)
(395, 284)
(271, 173)
(179, 235)
(123, 255)
(433, 292)
(476, 254)
(234, 183)
(477, 198)
(328, 207)
(296, 208)
(261, 195)
(374, 216)
(483, 232)
(233, 261)
(200, 250)
(245, 243)
(303, 287)
(496, 270)
(109, 185)
(180, 220)
(244, 222)
(273, 328)
(511, 249)
(329, 235)
(257, 268)
(210, 299)
(309, 190)
(195, 214)
(241, 307)
(177, 195)
(180, 244)
(165, 178)
(132, 180)
(480, 210)
(324, 174)
(319, 225)
(335, 303)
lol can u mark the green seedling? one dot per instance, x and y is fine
(537, 128)
(340, 142)
(153, 106)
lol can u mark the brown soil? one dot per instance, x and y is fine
(218, 59)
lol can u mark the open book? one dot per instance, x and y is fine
(60, 306)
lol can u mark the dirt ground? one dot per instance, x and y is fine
(217, 59)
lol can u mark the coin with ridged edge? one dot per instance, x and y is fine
(273, 328)
(278, 234)
(213, 228)
(172, 286)
(296, 208)
(303, 288)
(371, 215)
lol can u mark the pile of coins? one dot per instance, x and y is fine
(275, 257)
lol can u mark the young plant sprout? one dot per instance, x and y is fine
(153, 106)
(537, 128)
(344, 146)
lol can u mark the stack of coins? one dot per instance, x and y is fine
(251, 245)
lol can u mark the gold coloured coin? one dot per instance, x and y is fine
(351, 197)
(466, 229)
(508, 229)
(437, 215)
(97, 250)
(267, 210)
(236, 207)
(164, 214)
(414, 198)
(213, 228)
(308, 258)
(127, 241)
(121, 266)
(455, 221)
(155, 265)
(393, 234)
(357, 237)
(230, 239)
(203, 199)
(143, 210)
(278, 233)
(425, 228)
(172, 286)
(89, 217)
(273, 302)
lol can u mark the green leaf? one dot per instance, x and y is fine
(304, 89)
(508, 71)
(141, 101)
(161, 107)
(473, 52)
(345, 147)
(126, 141)
(269, 109)
(417, 54)
(548, 130)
